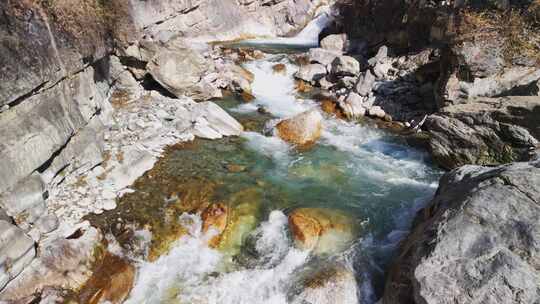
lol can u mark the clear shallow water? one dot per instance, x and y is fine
(371, 175)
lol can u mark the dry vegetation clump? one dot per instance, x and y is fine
(517, 30)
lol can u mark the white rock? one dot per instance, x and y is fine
(352, 106)
(336, 42)
(345, 66)
(322, 56)
(311, 72)
(376, 111)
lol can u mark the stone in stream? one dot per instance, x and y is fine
(337, 43)
(478, 241)
(345, 66)
(333, 283)
(322, 56)
(302, 129)
(323, 231)
(242, 218)
(376, 111)
(311, 72)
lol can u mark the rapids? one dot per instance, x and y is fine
(370, 174)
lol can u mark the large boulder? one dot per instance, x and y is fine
(181, 72)
(353, 106)
(323, 231)
(478, 241)
(488, 131)
(302, 129)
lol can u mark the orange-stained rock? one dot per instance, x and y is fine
(302, 129)
(331, 107)
(247, 96)
(324, 231)
(279, 68)
(111, 282)
(302, 86)
(215, 217)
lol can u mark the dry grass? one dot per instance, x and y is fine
(516, 29)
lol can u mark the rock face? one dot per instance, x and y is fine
(302, 129)
(478, 242)
(487, 131)
(180, 71)
(324, 231)
(17, 251)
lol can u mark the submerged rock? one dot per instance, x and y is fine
(334, 283)
(302, 129)
(324, 231)
(477, 242)
(111, 282)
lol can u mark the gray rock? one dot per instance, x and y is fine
(16, 251)
(365, 84)
(382, 56)
(488, 131)
(180, 71)
(311, 72)
(347, 82)
(352, 106)
(345, 66)
(478, 241)
(322, 56)
(337, 43)
(381, 69)
(325, 84)
(376, 111)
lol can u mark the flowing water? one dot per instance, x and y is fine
(371, 175)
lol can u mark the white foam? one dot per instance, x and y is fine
(185, 274)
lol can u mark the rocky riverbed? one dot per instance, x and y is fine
(149, 161)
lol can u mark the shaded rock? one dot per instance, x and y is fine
(322, 56)
(302, 129)
(311, 72)
(365, 83)
(345, 66)
(324, 231)
(333, 283)
(476, 242)
(488, 131)
(337, 43)
(16, 251)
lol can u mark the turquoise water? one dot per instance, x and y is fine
(371, 175)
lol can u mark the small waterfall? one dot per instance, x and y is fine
(308, 37)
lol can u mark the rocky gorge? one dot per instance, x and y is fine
(137, 133)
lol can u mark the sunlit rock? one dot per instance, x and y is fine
(302, 129)
(311, 72)
(244, 217)
(324, 231)
(337, 43)
(111, 282)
